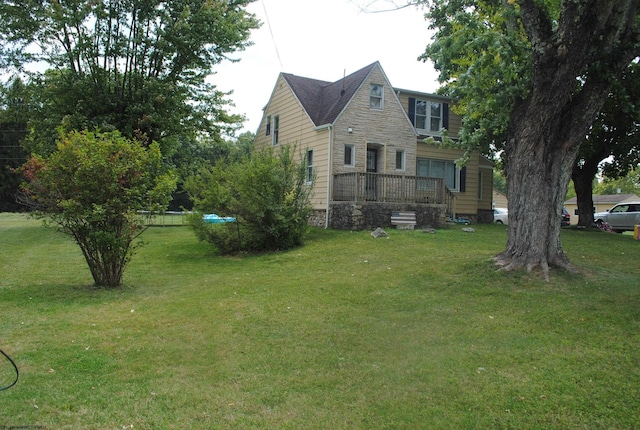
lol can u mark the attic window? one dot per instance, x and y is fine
(376, 96)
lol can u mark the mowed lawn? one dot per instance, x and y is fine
(414, 331)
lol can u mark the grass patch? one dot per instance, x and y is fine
(414, 331)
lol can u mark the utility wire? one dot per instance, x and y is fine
(275, 46)
(16, 369)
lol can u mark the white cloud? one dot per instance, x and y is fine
(323, 39)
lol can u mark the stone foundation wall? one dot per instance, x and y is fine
(317, 218)
(368, 216)
(485, 216)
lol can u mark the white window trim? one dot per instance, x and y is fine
(275, 131)
(353, 155)
(456, 171)
(381, 97)
(427, 122)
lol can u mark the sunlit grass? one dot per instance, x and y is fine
(414, 331)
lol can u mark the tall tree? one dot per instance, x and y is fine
(136, 66)
(14, 111)
(614, 136)
(531, 76)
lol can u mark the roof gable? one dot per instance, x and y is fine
(323, 101)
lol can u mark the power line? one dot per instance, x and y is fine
(275, 46)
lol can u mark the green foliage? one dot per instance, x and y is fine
(137, 67)
(92, 187)
(628, 184)
(484, 60)
(14, 100)
(499, 181)
(615, 134)
(195, 154)
(267, 193)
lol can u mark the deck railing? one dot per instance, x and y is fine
(377, 187)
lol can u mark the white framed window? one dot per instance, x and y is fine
(376, 97)
(420, 114)
(309, 176)
(276, 129)
(445, 169)
(400, 159)
(426, 115)
(350, 155)
(268, 126)
(435, 116)
(480, 180)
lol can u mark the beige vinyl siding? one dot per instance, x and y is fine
(296, 128)
(467, 201)
(486, 167)
(500, 199)
(455, 122)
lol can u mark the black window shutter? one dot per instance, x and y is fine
(463, 179)
(412, 110)
(445, 115)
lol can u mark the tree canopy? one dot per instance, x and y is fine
(139, 67)
(613, 142)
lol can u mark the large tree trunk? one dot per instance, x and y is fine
(538, 171)
(546, 128)
(583, 183)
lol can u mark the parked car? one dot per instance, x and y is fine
(565, 221)
(621, 217)
(501, 216)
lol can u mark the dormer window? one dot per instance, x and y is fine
(376, 97)
(427, 116)
(435, 119)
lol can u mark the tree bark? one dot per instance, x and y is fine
(547, 127)
(583, 176)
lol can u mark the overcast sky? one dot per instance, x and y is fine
(324, 39)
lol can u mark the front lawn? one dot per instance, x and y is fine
(348, 332)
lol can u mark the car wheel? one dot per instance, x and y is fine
(498, 222)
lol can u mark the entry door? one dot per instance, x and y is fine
(372, 168)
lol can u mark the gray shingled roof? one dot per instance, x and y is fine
(323, 101)
(606, 198)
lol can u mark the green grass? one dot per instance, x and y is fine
(348, 332)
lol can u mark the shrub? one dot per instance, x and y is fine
(267, 193)
(92, 187)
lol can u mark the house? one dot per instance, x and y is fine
(500, 199)
(600, 203)
(364, 141)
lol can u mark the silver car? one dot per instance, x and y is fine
(500, 216)
(621, 217)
